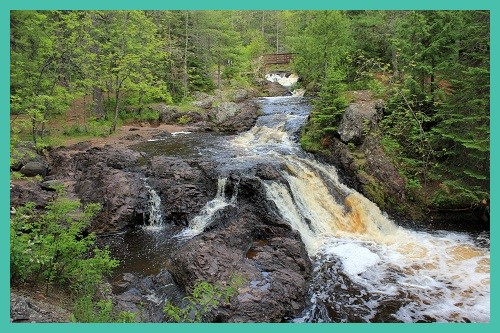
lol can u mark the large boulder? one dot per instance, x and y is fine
(167, 113)
(274, 89)
(146, 296)
(184, 186)
(203, 101)
(35, 168)
(23, 154)
(122, 195)
(224, 111)
(240, 95)
(358, 119)
(233, 117)
(24, 191)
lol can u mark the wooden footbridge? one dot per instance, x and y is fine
(277, 58)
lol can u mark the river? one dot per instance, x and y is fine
(367, 267)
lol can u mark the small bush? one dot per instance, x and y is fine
(185, 119)
(86, 310)
(51, 247)
(204, 298)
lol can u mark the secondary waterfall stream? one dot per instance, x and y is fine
(366, 267)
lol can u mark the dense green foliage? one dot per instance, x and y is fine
(204, 298)
(432, 68)
(118, 61)
(53, 248)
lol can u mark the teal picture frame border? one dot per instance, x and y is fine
(7, 5)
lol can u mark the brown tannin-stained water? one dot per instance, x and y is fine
(367, 268)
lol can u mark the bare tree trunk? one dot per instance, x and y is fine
(185, 57)
(115, 118)
(218, 68)
(119, 81)
(97, 109)
(277, 34)
(262, 25)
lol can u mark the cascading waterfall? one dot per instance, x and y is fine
(155, 217)
(366, 268)
(200, 222)
(384, 272)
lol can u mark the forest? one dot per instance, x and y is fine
(430, 68)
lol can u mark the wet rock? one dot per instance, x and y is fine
(268, 255)
(162, 135)
(273, 89)
(267, 172)
(174, 168)
(147, 296)
(34, 168)
(358, 119)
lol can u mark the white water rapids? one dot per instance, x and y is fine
(367, 268)
(440, 276)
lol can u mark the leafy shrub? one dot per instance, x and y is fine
(185, 119)
(51, 247)
(85, 310)
(204, 298)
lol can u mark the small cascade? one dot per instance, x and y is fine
(154, 215)
(286, 80)
(200, 222)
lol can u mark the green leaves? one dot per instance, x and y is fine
(204, 298)
(50, 246)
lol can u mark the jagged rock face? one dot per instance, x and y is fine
(184, 186)
(358, 119)
(113, 178)
(253, 243)
(24, 191)
(104, 176)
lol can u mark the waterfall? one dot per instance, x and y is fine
(366, 267)
(441, 277)
(200, 222)
(283, 79)
(154, 215)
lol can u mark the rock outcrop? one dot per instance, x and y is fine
(225, 111)
(359, 119)
(258, 246)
